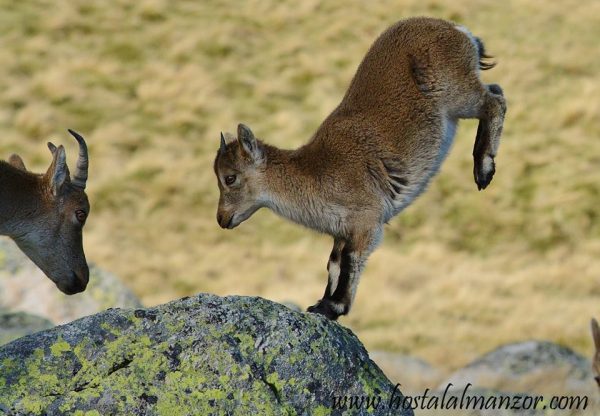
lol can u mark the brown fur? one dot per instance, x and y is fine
(596, 358)
(45, 214)
(376, 151)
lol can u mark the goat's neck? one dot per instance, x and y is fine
(291, 187)
(19, 198)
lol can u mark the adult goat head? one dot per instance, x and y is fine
(45, 213)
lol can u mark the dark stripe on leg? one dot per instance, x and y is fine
(342, 292)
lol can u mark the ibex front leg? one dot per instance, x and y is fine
(344, 275)
(334, 266)
(491, 119)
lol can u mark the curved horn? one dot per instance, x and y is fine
(81, 170)
(223, 144)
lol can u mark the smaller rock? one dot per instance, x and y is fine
(530, 366)
(24, 287)
(15, 325)
(414, 374)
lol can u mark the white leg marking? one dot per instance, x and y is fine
(334, 275)
(487, 165)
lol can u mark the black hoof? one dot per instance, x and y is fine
(324, 307)
(483, 177)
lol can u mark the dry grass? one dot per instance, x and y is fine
(152, 83)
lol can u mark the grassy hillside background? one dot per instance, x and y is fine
(152, 83)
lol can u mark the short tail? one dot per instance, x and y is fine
(484, 64)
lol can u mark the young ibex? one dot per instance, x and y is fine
(45, 215)
(596, 358)
(375, 153)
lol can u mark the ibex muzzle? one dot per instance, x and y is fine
(239, 180)
(45, 215)
(375, 153)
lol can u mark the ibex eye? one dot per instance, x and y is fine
(81, 215)
(229, 180)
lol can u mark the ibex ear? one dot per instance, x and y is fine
(51, 147)
(596, 334)
(248, 142)
(17, 162)
(223, 144)
(58, 172)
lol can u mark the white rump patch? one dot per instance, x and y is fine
(468, 33)
(473, 41)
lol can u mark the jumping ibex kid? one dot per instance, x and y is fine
(377, 150)
(45, 214)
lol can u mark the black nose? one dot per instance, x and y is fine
(224, 221)
(83, 276)
(77, 284)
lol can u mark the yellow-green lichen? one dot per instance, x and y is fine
(321, 411)
(88, 413)
(274, 380)
(59, 347)
(34, 405)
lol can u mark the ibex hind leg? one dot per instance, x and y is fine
(487, 140)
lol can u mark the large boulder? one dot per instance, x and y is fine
(25, 288)
(196, 356)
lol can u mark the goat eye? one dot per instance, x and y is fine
(229, 180)
(80, 215)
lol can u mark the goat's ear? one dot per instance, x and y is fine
(223, 145)
(51, 147)
(58, 172)
(17, 162)
(596, 334)
(248, 142)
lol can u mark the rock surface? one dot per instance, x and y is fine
(23, 287)
(15, 325)
(531, 366)
(414, 374)
(197, 356)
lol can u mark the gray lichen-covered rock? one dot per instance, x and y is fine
(23, 287)
(197, 356)
(15, 325)
(530, 366)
